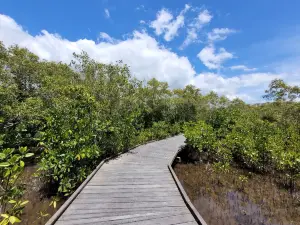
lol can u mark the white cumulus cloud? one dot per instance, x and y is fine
(145, 56)
(234, 87)
(167, 25)
(163, 18)
(242, 67)
(105, 37)
(213, 59)
(203, 18)
(147, 59)
(219, 34)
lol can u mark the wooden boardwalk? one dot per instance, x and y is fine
(135, 188)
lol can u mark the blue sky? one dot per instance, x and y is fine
(232, 47)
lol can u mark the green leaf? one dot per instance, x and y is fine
(2, 155)
(7, 173)
(12, 201)
(13, 219)
(5, 216)
(23, 149)
(29, 155)
(24, 203)
(15, 168)
(4, 164)
(41, 144)
(22, 164)
(43, 214)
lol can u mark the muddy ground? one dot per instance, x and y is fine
(38, 211)
(238, 197)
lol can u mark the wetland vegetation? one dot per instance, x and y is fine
(58, 121)
(248, 160)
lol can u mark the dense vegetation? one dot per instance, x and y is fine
(67, 118)
(249, 170)
(261, 138)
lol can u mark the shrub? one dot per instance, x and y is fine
(200, 135)
(160, 130)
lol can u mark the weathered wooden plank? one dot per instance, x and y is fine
(130, 194)
(130, 176)
(122, 218)
(114, 183)
(144, 191)
(155, 219)
(131, 186)
(107, 212)
(157, 179)
(104, 198)
(116, 180)
(136, 171)
(152, 180)
(127, 200)
(78, 204)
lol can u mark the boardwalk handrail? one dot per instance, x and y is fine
(199, 219)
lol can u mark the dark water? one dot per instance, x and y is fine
(223, 202)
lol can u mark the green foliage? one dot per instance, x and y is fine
(13, 213)
(262, 138)
(69, 141)
(73, 116)
(160, 130)
(12, 163)
(175, 129)
(221, 167)
(54, 202)
(289, 163)
(280, 91)
(200, 135)
(242, 182)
